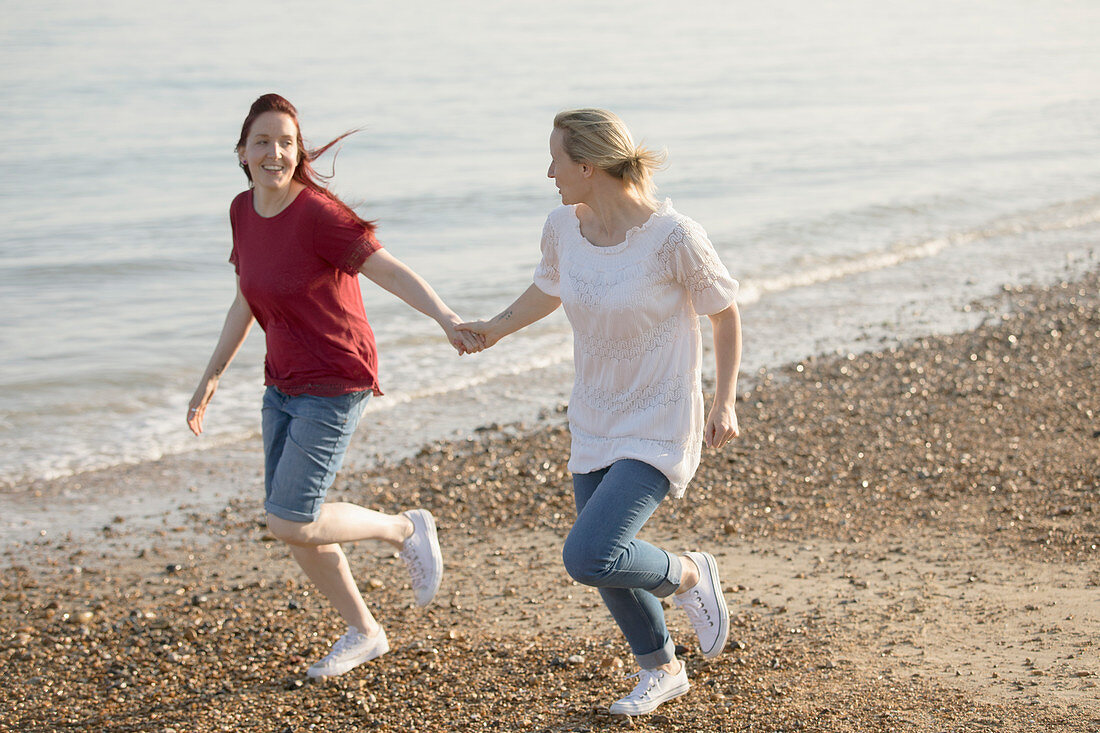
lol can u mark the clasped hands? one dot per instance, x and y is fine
(471, 337)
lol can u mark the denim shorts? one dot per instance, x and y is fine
(305, 439)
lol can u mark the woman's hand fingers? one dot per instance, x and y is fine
(194, 419)
(476, 331)
(197, 409)
(470, 342)
(466, 343)
(721, 429)
(718, 439)
(464, 340)
(474, 328)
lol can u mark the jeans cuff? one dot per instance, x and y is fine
(664, 655)
(672, 578)
(289, 514)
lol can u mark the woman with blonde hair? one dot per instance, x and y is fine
(633, 276)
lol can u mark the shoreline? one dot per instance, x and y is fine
(907, 539)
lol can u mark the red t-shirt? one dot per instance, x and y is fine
(299, 272)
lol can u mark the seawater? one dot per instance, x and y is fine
(865, 169)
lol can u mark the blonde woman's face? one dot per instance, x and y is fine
(568, 175)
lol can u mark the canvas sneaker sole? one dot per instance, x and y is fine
(629, 707)
(424, 525)
(377, 649)
(709, 570)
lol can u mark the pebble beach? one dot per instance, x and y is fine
(908, 540)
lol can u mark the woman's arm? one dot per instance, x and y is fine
(390, 273)
(527, 308)
(722, 422)
(238, 322)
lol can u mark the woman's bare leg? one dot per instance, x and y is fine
(316, 548)
(327, 567)
(341, 522)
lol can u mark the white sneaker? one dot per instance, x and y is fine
(422, 556)
(349, 651)
(655, 686)
(705, 606)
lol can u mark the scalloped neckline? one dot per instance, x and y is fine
(661, 210)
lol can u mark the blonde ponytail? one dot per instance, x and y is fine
(602, 139)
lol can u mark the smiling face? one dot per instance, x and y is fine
(271, 151)
(568, 175)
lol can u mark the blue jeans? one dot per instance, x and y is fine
(305, 439)
(602, 551)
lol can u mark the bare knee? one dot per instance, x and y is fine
(292, 533)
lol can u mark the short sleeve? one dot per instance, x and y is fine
(547, 277)
(696, 266)
(341, 241)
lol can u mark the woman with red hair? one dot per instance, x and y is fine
(298, 251)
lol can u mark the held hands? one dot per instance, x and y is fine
(464, 340)
(481, 331)
(527, 308)
(721, 426)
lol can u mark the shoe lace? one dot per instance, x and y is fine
(647, 680)
(416, 570)
(341, 644)
(696, 613)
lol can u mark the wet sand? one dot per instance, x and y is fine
(908, 541)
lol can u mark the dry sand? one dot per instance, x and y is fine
(908, 541)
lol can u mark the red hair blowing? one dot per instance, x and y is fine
(303, 171)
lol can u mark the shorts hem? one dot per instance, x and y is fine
(289, 514)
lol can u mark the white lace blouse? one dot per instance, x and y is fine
(634, 308)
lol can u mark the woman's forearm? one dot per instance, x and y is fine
(533, 305)
(238, 322)
(727, 353)
(394, 276)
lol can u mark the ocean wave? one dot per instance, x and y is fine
(1080, 214)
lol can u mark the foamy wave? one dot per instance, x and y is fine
(1071, 215)
(752, 291)
(48, 468)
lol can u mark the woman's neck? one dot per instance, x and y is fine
(269, 203)
(612, 213)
